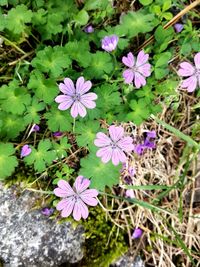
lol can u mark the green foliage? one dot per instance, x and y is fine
(58, 120)
(44, 89)
(61, 148)
(32, 114)
(101, 174)
(134, 23)
(86, 132)
(100, 64)
(51, 61)
(8, 162)
(161, 64)
(41, 157)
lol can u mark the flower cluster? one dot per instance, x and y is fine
(147, 144)
(75, 199)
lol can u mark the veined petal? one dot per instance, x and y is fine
(67, 210)
(190, 83)
(102, 140)
(197, 60)
(116, 132)
(63, 186)
(62, 204)
(78, 108)
(90, 193)
(83, 208)
(186, 69)
(77, 211)
(141, 58)
(126, 144)
(87, 100)
(128, 76)
(145, 70)
(129, 61)
(118, 156)
(81, 184)
(90, 201)
(65, 102)
(139, 80)
(67, 87)
(105, 153)
(60, 192)
(82, 86)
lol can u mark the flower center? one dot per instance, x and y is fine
(197, 72)
(114, 145)
(76, 97)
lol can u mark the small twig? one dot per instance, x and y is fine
(171, 22)
(13, 45)
(21, 58)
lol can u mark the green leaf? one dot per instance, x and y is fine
(12, 125)
(61, 148)
(32, 114)
(140, 112)
(100, 64)
(14, 98)
(8, 162)
(101, 174)
(167, 4)
(86, 133)
(82, 17)
(51, 60)
(41, 157)
(79, 51)
(145, 2)
(59, 120)
(161, 65)
(17, 18)
(44, 89)
(134, 23)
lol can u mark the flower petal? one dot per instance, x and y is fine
(128, 76)
(105, 153)
(60, 192)
(139, 80)
(81, 184)
(78, 108)
(118, 156)
(116, 133)
(87, 100)
(141, 58)
(197, 60)
(64, 189)
(90, 201)
(186, 69)
(190, 83)
(129, 61)
(90, 193)
(65, 101)
(82, 86)
(77, 211)
(145, 70)
(126, 144)
(83, 208)
(61, 204)
(67, 87)
(102, 140)
(67, 210)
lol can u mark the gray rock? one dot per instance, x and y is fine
(128, 261)
(30, 239)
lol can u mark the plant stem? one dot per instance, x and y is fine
(13, 44)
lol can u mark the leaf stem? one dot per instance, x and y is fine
(13, 44)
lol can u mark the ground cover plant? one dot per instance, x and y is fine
(104, 96)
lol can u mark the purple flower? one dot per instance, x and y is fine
(151, 134)
(137, 233)
(57, 134)
(47, 211)
(138, 149)
(131, 171)
(26, 150)
(113, 147)
(89, 29)
(109, 43)
(36, 128)
(193, 72)
(74, 199)
(76, 98)
(138, 70)
(178, 27)
(130, 193)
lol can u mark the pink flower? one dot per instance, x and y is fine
(109, 43)
(26, 150)
(74, 199)
(138, 70)
(193, 72)
(113, 147)
(130, 193)
(137, 233)
(76, 98)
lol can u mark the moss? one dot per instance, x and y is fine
(104, 241)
